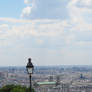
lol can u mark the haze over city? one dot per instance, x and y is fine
(51, 32)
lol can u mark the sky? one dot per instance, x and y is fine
(51, 32)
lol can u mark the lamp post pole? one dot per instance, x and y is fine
(30, 83)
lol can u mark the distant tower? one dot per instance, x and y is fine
(57, 80)
(50, 78)
(81, 76)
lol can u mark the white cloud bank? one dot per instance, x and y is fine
(48, 9)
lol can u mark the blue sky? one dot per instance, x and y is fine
(11, 8)
(51, 32)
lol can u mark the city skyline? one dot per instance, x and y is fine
(51, 32)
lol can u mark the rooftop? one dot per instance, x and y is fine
(46, 83)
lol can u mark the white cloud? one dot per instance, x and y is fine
(87, 3)
(69, 39)
(84, 44)
(47, 9)
(26, 11)
(14, 20)
(3, 27)
(28, 1)
(36, 27)
(74, 12)
(3, 30)
(39, 41)
(80, 17)
(37, 30)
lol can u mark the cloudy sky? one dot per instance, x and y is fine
(51, 32)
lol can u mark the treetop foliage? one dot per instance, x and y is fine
(15, 88)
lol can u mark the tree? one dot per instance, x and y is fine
(28, 90)
(7, 88)
(15, 88)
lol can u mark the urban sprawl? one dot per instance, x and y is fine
(50, 78)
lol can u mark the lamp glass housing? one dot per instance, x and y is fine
(30, 70)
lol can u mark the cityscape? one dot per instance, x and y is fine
(50, 78)
(45, 45)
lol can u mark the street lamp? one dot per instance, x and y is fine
(30, 69)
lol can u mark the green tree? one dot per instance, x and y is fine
(28, 90)
(7, 88)
(17, 90)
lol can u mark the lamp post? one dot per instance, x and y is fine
(30, 69)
